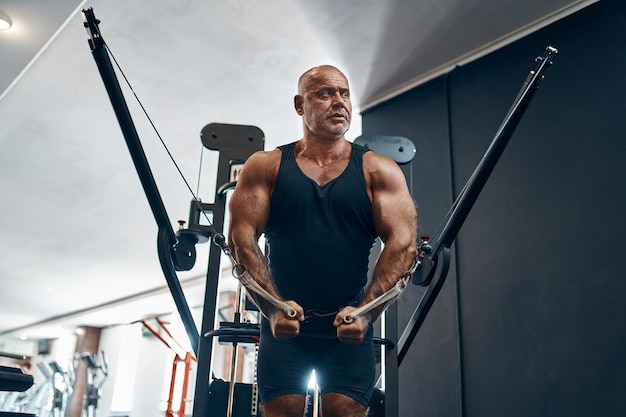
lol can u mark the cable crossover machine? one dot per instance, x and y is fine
(235, 143)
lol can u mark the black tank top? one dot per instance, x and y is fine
(320, 236)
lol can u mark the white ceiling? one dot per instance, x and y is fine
(75, 228)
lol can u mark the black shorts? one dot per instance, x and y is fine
(285, 365)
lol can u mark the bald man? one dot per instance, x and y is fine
(321, 202)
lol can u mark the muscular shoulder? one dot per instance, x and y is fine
(264, 158)
(381, 172)
(261, 166)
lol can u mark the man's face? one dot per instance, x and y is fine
(325, 105)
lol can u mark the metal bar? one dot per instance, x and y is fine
(167, 265)
(391, 363)
(205, 352)
(129, 131)
(464, 202)
(166, 238)
(426, 302)
(12, 356)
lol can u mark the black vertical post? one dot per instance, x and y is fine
(235, 144)
(391, 362)
(205, 350)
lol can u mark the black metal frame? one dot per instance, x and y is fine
(235, 144)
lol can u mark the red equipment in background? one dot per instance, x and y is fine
(181, 356)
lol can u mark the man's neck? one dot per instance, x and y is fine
(322, 152)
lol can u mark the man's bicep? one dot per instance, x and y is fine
(249, 204)
(247, 215)
(394, 208)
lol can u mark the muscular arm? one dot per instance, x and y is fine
(395, 218)
(249, 211)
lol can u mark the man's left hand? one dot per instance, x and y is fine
(353, 333)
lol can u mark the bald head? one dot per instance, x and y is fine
(313, 75)
(323, 101)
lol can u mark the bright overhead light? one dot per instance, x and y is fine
(5, 22)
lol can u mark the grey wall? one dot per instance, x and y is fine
(531, 319)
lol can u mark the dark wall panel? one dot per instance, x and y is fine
(541, 326)
(540, 267)
(430, 379)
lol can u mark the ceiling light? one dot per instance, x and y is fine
(5, 22)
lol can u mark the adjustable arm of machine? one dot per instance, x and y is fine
(437, 250)
(172, 254)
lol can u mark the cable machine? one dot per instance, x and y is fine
(235, 143)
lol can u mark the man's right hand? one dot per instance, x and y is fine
(284, 327)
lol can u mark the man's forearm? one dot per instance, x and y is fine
(258, 270)
(393, 263)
